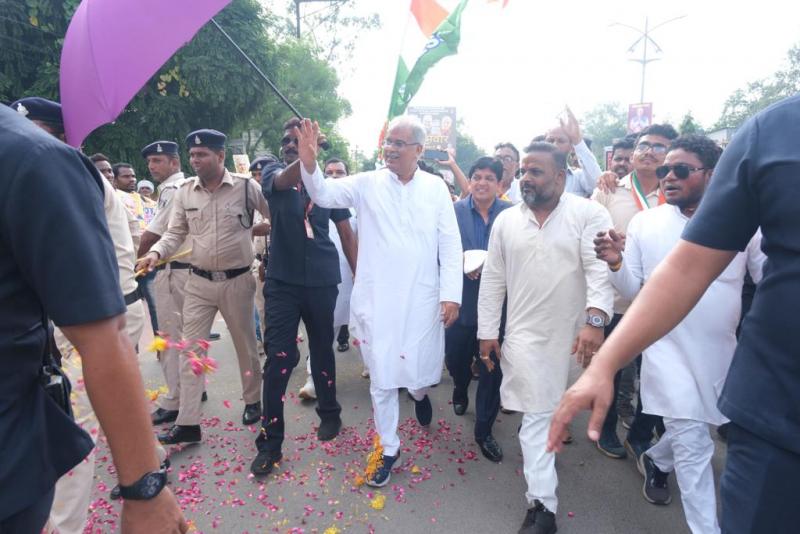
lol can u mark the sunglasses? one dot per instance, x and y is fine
(286, 140)
(657, 148)
(680, 170)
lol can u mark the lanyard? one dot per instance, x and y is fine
(639, 197)
(309, 206)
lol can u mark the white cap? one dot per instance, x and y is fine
(145, 183)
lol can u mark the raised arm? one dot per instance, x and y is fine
(340, 193)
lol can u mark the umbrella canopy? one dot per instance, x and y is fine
(111, 49)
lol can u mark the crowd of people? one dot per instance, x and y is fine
(533, 258)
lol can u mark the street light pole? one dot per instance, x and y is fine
(644, 37)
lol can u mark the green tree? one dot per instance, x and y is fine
(746, 102)
(604, 123)
(467, 151)
(689, 125)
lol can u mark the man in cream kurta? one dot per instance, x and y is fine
(683, 373)
(408, 284)
(552, 278)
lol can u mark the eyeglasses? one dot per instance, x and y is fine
(657, 148)
(398, 144)
(507, 159)
(286, 140)
(680, 170)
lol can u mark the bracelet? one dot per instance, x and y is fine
(616, 267)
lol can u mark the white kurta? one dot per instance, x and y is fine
(551, 276)
(683, 373)
(341, 313)
(409, 261)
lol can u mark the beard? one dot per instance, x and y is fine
(529, 197)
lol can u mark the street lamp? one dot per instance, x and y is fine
(644, 38)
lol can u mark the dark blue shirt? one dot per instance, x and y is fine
(293, 257)
(474, 235)
(56, 260)
(757, 183)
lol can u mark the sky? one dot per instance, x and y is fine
(518, 67)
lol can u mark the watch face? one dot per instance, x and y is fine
(596, 320)
(150, 486)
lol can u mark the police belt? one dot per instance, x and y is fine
(219, 276)
(174, 265)
(133, 296)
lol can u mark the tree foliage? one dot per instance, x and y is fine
(604, 123)
(746, 102)
(206, 84)
(689, 125)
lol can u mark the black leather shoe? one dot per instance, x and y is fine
(343, 347)
(213, 336)
(491, 449)
(252, 413)
(538, 520)
(329, 429)
(161, 416)
(460, 402)
(264, 462)
(204, 397)
(423, 410)
(180, 434)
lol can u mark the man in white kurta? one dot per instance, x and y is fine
(683, 373)
(541, 255)
(408, 285)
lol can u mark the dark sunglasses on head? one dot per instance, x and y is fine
(680, 170)
(657, 148)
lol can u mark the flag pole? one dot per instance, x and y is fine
(260, 73)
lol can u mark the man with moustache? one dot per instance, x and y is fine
(567, 137)
(103, 164)
(509, 185)
(682, 372)
(408, 287)
(164, 165)
(476, 215)
(215, 209)
(636, 192)
(541, 254)
(302, 278)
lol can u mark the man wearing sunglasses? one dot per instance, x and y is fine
(636, 192)
(682, 373)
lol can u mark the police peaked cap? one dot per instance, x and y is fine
(160, 147)
(207, 138)
(262, 161)
(40, 109)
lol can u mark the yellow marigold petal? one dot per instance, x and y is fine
(378, 502)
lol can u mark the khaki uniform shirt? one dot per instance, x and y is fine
(622, 207)
(218, 222)
(160, 222)
(119, 226)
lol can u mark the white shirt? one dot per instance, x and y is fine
(119, 226)
(582, 181)
(551, 276)
(409, 261)
(683, 373)
(341, 313)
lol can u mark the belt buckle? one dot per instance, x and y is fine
(218, 276)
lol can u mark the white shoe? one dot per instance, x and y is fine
(307, 392)
(365, 373)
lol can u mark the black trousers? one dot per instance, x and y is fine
(758, 489)
(32, 519)
(461, 349)
(641, 431)
(285, 305)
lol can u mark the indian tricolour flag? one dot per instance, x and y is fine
(432, 33)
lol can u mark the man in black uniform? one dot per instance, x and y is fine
(60, 265)
(302, 276)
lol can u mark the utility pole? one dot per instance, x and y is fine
(644, 38)
(297, 11)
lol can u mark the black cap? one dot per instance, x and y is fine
(262, 161)
(40, 109)
(160, 147)
(207, 138)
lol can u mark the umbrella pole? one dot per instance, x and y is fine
(263, 76)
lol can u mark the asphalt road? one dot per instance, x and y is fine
(444, 483)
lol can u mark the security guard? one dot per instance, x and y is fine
(164, 165)
(260, 247)
(216, 209)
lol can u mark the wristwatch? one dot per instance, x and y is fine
(146, 487)
(597, 321)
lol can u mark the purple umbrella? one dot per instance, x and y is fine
(113, 47)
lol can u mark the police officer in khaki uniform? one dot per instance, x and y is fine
(216, 210)
(164, 165)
